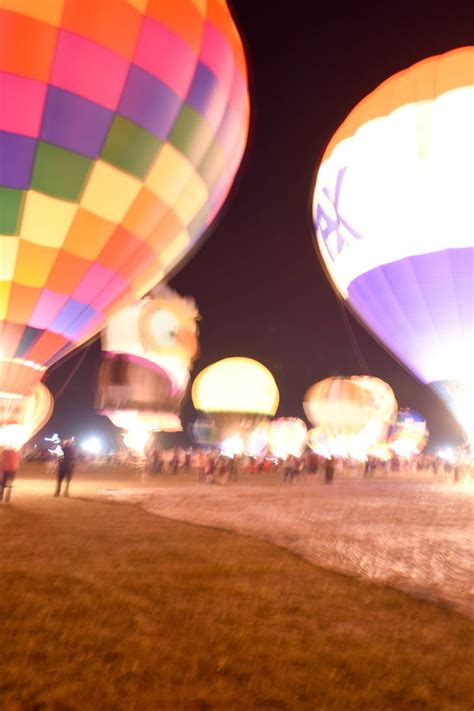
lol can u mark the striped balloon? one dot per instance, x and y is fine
(350, 412)
(287, 437)
(122, 126)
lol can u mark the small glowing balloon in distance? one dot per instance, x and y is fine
(380, 450)
(22, 416)
(236, 385)
(137, 439)
(112, 170)
(351, 412)
(203, 431)
(318, 442)
(409, 434)
(257, 441)
(92, 445)
(394, 218)
(232, 446)
(287, 437)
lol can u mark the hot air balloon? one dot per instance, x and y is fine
(351, 412)
(149, 349)
(287, 437)
(409, 434)
(203, 431)
(318, 442)
(24, 416)
(237, 394)
(122, 127)
(393, 211)
(256, 441)
(381, 451)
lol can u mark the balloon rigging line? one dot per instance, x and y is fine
(353, 340)
(73, 373)
(73, 353)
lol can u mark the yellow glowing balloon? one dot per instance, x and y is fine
(287, 437)
(318, 442)
(236, 385)
(137, 439)
(380, 450)
(150, 421)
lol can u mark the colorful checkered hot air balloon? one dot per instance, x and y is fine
(122, 126)
(393, 210)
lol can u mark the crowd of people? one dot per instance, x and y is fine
(212, 466)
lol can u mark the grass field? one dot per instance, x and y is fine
(103, 606)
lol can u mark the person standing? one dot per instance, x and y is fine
(289, 469)
(66, 466)
(10, 464)
(329, 469)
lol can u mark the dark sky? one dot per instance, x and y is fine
(256, 279)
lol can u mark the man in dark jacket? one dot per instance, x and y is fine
(66, 466)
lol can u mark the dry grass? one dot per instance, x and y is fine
(103, 606)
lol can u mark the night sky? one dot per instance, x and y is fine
(257, 280)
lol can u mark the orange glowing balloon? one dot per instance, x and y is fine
(22, 417)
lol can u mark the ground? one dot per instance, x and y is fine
(104, 605)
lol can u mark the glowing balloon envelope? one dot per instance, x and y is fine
(122, 127)
(393, 210)
(203, 431)
(350, 412)
(236, 385)
(381, 451)
(409, 433)
(287, 437)
(149, 349)
(318, 442)
(256, 441)
(237, 394)
(22, 417)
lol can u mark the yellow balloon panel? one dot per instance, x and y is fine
(287, 437)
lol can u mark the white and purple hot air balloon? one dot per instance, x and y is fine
(394, 214)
